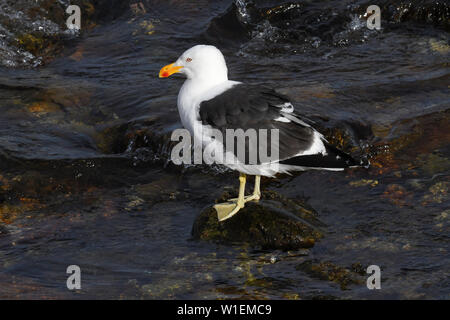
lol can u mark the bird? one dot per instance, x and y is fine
(209, 101)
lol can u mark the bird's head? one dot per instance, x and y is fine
(201, 62)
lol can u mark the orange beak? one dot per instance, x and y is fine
(169, 70)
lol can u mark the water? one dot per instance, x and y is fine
(84, 143)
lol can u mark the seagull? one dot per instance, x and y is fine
(208, 101)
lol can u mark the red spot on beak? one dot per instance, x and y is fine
(168, 70)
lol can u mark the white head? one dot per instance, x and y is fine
(199, 63)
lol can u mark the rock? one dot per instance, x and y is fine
(43, 107)
(432, 12)
(35, 32)
(166, 288)
(433, 163)
(331, 272)
(397, 195)
(412, 143)
(438, 193)
(439, 46)
(273, 223)
(3, 231)
(364, 182)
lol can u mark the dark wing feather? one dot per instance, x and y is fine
(333, 159)
(256, 107)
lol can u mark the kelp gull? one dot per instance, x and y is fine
(208, 100)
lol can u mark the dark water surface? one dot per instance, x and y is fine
(84, 143)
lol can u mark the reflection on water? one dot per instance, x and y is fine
(84, 144)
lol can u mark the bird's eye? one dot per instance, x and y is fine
(188, 60)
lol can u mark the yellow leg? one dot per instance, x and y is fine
(256, 192)
(229, 209)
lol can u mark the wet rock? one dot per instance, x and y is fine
(330, 272)
(160, 190)
(39, 108)
(166, 288)
(35, 32)
(22, 287)
(434, 12)
(432, 164)
(9, 212)
(78, 54)
(443, 222)
(381, 130)
(134, 203)
(339, 138)
(146, 27)
(364, 182)
(397, 195)
(137, 139)
(438, 193)
(269, 27)
(3, 231)
(410, 142)
(111, 139)
(439, 46)
(73, 99)
(127, 137)
(300, 24)
(273, 223)
(229, 26)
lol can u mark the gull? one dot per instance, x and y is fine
(209, 101)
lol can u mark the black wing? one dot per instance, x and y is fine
(258, 107)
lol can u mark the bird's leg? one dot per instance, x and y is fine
(228, 209)
(256, 192)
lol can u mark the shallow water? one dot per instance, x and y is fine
(85, 180)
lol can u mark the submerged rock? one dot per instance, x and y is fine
(273, 223)
(33, 33)
(3, 231)
(438, 193)
(331, 272)
(433, 12)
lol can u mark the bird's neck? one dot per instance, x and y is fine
(194, 91)
(200, 86)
